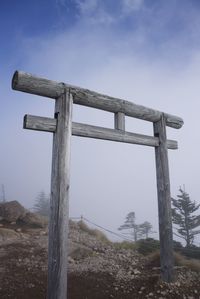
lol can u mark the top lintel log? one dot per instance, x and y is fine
(43, 87)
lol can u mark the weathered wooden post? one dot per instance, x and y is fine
(60, 181)
(60, 176)
(63, 127)
(164, 202)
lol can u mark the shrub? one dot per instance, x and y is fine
(153, 260)
(191, 252)
(125, 245)
(177, 245)
(150, 245)
(147, 246)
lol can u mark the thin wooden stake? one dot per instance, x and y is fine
(60, 180)
(164, 203)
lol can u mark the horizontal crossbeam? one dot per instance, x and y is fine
(39, 86)
(82, 130)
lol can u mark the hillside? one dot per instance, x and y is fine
(98, 269)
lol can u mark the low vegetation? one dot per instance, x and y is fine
(179, 260)
(93, 232)
(125, 245)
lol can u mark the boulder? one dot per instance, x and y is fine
(13, 212)
(8, 234)
(33, 220)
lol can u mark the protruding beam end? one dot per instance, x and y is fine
(15, 80)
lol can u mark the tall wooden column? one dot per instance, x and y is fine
(164, 202)
(59, 208)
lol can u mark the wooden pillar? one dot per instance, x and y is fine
(164, 202)
(120, 121)
(59, 208)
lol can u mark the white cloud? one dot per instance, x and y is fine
(130, 6)
(94, 12)
(119, 65)
(112, 65)
(87, 7)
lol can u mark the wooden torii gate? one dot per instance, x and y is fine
(63, 128)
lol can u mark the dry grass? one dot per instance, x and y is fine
(191, 264)
(93, 232)
(125, 245)
(153, 260)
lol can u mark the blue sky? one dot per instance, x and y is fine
(156, 22)
(144, 51)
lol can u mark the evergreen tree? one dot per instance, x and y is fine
(131, 225)
(183, 216)
(145, 229)
(42, 204)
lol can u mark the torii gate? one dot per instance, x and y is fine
(63, 128)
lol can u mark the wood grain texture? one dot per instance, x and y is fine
(119, 122)
(59, 202)
(40, 123)
(164, 203)
(39, 86)
(46, 124)
(28, 83)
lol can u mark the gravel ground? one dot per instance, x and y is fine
(96, 270)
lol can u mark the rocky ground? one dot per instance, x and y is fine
(97, 270)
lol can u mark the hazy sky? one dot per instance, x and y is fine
(147, 52)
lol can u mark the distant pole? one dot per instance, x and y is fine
(59, 202)
(164, 202)
(3, 193)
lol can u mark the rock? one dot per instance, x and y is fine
(70, 260)
(136, 271)
(81, 252)
(43, 233)
(14, 213)
(11, 211)
(33, 220)
(8, 234)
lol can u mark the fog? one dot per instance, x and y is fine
(108, 179)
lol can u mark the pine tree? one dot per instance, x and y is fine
(131, 225)
(183, 216)
(145, 229)
(42, 204)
